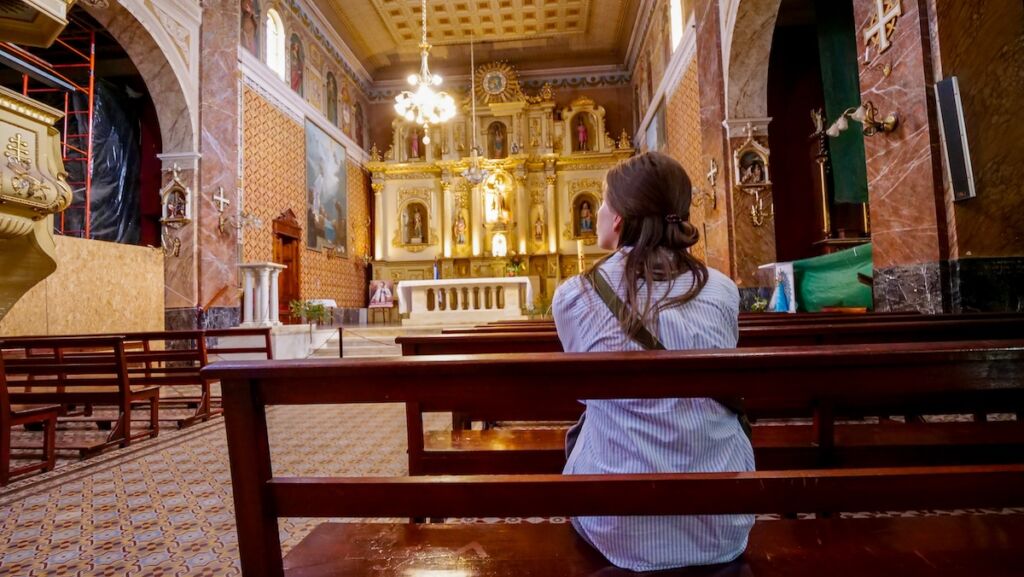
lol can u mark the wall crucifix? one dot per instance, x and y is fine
(220, 199)
(882, 26)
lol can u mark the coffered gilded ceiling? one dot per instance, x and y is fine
(531, 34)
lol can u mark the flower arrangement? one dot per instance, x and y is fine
(516, 264)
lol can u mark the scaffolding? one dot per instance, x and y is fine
(66, 75)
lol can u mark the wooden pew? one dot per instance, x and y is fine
(14, 415)
(80, 371)
(936, 330)
(757, 319)
(969, 545)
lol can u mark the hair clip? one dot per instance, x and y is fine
(673, 218)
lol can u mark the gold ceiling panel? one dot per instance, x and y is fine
(532, 34)
(456, 21)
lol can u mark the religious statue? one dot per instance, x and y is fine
(581, 134)
(498, 140)
(250, 26)
(586, 218)
(459, 230)
(538, 229)
(753, 174)
(296, 63)
(374, 153)
(624, 140)
(414, 143)
(417, 226)
(332, 99)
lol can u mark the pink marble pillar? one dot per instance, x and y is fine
(713, 142)
(904, 171)
(218, 168)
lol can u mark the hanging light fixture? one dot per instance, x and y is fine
(424, 106)
(475, 174)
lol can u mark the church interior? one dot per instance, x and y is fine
(195, 195)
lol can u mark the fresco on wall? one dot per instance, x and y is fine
(326, 192)
(296, 64)
(332, 99)
(251, 26)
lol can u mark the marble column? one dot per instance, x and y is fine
(218, 168)
(710, 76)
(908, 229)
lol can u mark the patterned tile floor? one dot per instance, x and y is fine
(163, 507)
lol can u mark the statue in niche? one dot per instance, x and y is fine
(413, 219)
(581, 134)
(538, 229)
(752, 169)
(296, 62)
(251, 26)
(459, 230)
(586, 218)
(496, 137)
(414, 143)
(346, 109)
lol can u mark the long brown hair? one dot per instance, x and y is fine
(651, 193)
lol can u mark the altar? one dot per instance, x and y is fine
(461, 301)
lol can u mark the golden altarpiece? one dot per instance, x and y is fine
(534, 214)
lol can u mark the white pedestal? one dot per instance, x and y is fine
(260, 284)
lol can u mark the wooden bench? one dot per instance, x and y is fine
(965, 545)
(893, 331)
(465, 451)
(14, 415)
(90, 371)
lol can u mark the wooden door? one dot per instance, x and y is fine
(287, 247)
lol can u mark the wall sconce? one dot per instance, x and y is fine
(867, 115)
(244, 220)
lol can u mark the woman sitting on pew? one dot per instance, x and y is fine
(666, 298)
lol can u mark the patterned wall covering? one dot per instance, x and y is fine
(274, 180)
(683, 142)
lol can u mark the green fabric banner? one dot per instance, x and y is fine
(831, 280)
(840, 77)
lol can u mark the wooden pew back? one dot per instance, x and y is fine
(919, 373)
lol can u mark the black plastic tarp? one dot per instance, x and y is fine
(114, 197)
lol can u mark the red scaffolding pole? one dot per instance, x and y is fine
(72, 59)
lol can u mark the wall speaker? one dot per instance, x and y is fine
(954, 138)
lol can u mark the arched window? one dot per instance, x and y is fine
(676, 16)
(275, 43)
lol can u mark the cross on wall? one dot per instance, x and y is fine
(883, 23)
(220, 199)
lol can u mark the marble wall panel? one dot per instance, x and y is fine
(982, 44)
(908, 288)
(713, 143)
(218, 276)
(98, 287)
(180, 262)
(987, 285)
(753, 245)
(907, 207)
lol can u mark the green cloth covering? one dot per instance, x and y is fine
(840, 79)
(831, 280)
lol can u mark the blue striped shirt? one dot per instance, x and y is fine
(657, 435)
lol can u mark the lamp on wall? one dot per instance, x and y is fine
(474, 174)
(424, 106)
(867, 115)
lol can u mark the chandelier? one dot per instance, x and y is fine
(475, 174)
(424, 106)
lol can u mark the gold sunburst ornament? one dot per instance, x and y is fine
(424, 106)
(497, 82)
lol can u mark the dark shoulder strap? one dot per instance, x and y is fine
(637, 331)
